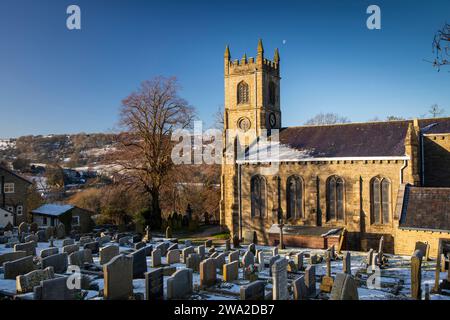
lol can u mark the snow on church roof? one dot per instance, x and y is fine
(53, 209)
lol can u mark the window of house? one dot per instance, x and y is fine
(258, 196)
(242, 93)
(294, 197)
(380, 200)
(10, 208)
(8, 187)
(75, 220)
(19, 210)
(335, 199)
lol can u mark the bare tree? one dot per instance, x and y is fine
(150, 115)
(219, 120)
(327, 118)
(441, 47)
(436, 111)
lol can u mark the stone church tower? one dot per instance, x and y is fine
(252, 104)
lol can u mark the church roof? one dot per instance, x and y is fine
(426, 209)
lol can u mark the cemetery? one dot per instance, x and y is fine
(47, 264)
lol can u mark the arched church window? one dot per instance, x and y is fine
(258, 196)
(380, 200)
(242, 93)
(335, 198)
(294, 197)
(272, 93)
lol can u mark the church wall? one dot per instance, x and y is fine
(405, 240)
(437, 158)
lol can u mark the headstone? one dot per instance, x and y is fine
(179, 285)
(57, 261)
(70, 248)
(60, 231)
(299, 288)
(148, 234)
(173, 256)
(49, 252)
(231, 271)
(201, 251)
(49, 232)
(236, 241)
(220, 261)
(84, 240)
(271, 262)
(185, 253)
(291, 267)
(169, 270)
(347, 263)
(261, 261)
(168, 232)
(11, 256)
(41, 236)
(154, 285)
(207, 273)
(118, 278)
(427, 291)
(214, 255)
(28, 247)
(23, 228)
(173, 247)
(344, 288)
(248, 259)
(93, 246)
(125, 241)
(227, 245)
(31, 237)
(139, 263)
(193, 262)
(156, 258)
(104, 239)
(211, 250)
(422, 246)
(416, 275)
(108, 253)
(14, 268)
(252, 248)
(208, 243)
(313, 259)
(253, 291)
(279, 280)
(163, 246)
(274, 251)
(327, 280)
(298, 259)
(427, 254)
(187, 243)
(310, 280)
(369, 257)
(55, 289)
(34, 227)
(80, 258)
(380, 250)
(67, 242)
(233, 256)
(25, 283)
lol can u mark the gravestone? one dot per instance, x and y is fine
(252, 248)
(274, 251)
(279, 280)
(310, 280)
(261, 261)
(207, 273)
(291, 267)
(369, 259)
(60, 231)
(214, 255)
(23, 228)
(298, 259)
(139, 263)
(422, 246)
(253, 291)
(49, 252)
(271, 262)
(208, 243)
(156, 258)
(347, 263)
(154, 285)
(41, 236)
(327, 280)
(28, 247)
(14, 268)
(57, 261)
(248, 259)
(193, 262)
(186, 252)
(25, 283)
(104, 239)
(125, 241)
(67, 242)
(313, 259)
(169, 270)
(34, 227)
(380, 250)
(70, 248)
(148, 234)
(80, 258)
(416, 275)
(227, 245)
(344, 288)
(118, 278)
(163, 246)
(220, 261)
(173, 256)
(49, 232)
(173, 246)
(179, 285)
(236, 241)
(55, 289)
(201, 251)
(108, 253)
(187, 243)
(211, 250)
(299, 288)
(84, 240)
(231, 271)
(233, 256)
(11, 256)
(93, 246)
(31, 237)
(168, 232)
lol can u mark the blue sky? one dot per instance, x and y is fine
(53, 80)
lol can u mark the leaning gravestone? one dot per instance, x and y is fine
(25, 283)
(55, 289)
(154, 286)
(173, 256)
(344, 288)
(12, 269)
(118, 278)
(49, 252)
(108, 253)
(193, 262)
(179, 285)
(28, 247)
(231, 271)
(57, 261)
(253, 291)
(279, 280)
(207, 273)
(11, 256)
(300, 290)
(139, 263)
(60, 231)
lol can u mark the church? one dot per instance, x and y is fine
(373, 179)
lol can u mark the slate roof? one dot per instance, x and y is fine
(2, 168)
(53, 209)
(426, 208)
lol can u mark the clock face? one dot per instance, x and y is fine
(244, 124)
(272, 120)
